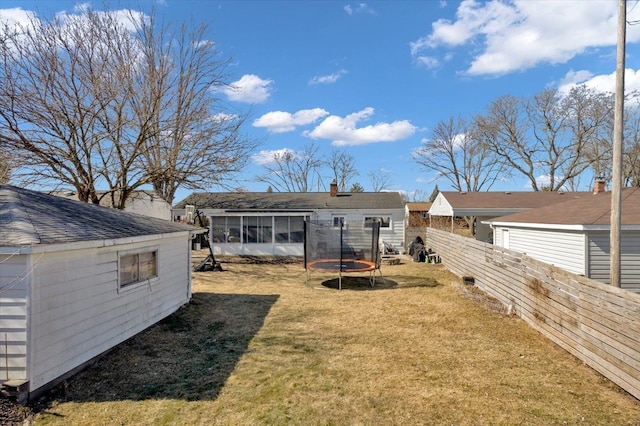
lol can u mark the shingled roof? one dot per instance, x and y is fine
(292, 201)
(508, 199)
(586, 210)
(30, 217)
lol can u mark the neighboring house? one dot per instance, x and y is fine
(265, 223)
(482, 206)
(77, 279)
(575, 235)
(143, 202)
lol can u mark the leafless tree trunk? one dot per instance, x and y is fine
(291, 171)
(342, 167)
(455, 152)
(5, 166)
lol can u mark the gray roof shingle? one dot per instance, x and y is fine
(29, 217)
(508, 199)
(587, 209)
(292, 201)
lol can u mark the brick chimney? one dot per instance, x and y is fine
(334, 189)
(598, 185)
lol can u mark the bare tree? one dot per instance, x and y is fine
(547, 135)
(196, 144)
(631, 154)
(86, 102)
(456, 153)
(55, 84)
(504, 129)
(380, 180)
(5, 166)
(356, 187)
(589, 121)
(342, 167)
(291, 171)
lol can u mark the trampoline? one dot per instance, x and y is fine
(345, 248)
(345, 265)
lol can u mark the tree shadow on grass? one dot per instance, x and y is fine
(188, 355)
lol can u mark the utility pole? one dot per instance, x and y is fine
(616, 180)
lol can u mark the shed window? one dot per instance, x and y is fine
(135, 267)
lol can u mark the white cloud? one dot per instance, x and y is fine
(18, 18)
(344, 131)
(358, 8)
(600, 83)
(328, 79)
(428, 61)
(264, 158)
(520, 34)
(281, 121)
(250, 88)
(15, 17)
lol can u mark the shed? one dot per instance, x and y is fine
(575, 235)
(272, 223)
(77, 279)
(483, 206)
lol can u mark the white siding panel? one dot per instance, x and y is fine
(598, 255)
(394, 234)
(563, 249)
(14, 282)
(440, 206)
(78, 312)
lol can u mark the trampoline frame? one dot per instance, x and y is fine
(341, 264)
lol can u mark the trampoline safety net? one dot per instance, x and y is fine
(344, 247)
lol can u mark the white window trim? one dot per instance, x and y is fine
(146, 281)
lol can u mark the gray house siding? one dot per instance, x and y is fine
(598, 255)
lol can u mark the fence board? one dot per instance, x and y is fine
(596, 323)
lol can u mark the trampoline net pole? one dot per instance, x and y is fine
(341, 251)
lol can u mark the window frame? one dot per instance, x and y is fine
(368, 221)
(339, 218)
(140, 281)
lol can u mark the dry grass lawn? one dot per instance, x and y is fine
(260, 345)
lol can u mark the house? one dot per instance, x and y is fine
(482, 206)
(144, 202)
(77, 279)
(575, 235)
(265, 223)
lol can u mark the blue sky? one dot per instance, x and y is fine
(375, 77)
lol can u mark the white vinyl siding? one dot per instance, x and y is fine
(77, 312)
(563, 249)
(393, 234)
(14, 284)
(598, 255)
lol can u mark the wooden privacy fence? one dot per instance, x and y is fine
(595, 322)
